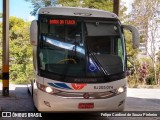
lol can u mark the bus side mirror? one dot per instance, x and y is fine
(33, 33)
(135, 35)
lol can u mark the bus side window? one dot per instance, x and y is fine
(42, 61)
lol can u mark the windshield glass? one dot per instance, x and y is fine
(105, 46)
(80, 48)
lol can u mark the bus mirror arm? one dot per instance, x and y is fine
(135, 35)
(33, 33)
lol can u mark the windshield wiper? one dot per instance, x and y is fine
(98, 65)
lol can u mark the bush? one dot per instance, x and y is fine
(150, 80)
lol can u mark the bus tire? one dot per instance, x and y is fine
(28, 90)
(32, 89)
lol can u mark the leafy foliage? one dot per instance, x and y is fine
(98, 4)
(40, 3)
(21, 68)
(71, 3)
(144, 17)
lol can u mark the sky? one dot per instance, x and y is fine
(22, 9)
(19, 8)
(128, 4)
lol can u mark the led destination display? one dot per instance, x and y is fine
(62, 22)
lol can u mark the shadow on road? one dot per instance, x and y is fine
(18, 100)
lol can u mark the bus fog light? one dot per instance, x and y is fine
(120, 90)
(49, 89)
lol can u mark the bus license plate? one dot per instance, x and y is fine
(86, 105)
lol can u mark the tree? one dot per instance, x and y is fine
(143, 15)
(21, 68)
(0, 15)
(98, 4)
(71, 3)
(132, 61)
(40, 3)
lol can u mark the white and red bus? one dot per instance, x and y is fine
(79, 56)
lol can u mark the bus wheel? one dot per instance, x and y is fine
(28, 90)
(32, 85)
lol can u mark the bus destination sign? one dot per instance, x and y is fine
(62, 22)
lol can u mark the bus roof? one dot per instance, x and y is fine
(75, 11)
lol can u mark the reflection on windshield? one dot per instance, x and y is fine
(82, 50)
(64, 45)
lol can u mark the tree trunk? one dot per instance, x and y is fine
(155, 74)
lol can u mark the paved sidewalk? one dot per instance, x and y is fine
(19, 99)
(143, 99)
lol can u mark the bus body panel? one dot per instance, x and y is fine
(87, 87)
(73, 11)
(60, 102)
(46, 102)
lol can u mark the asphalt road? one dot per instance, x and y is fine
(137, 100)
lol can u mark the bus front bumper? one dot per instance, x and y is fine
(45, 102)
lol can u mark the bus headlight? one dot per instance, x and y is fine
(121, 89)
(47, 89)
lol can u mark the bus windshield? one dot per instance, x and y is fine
(80, 48)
